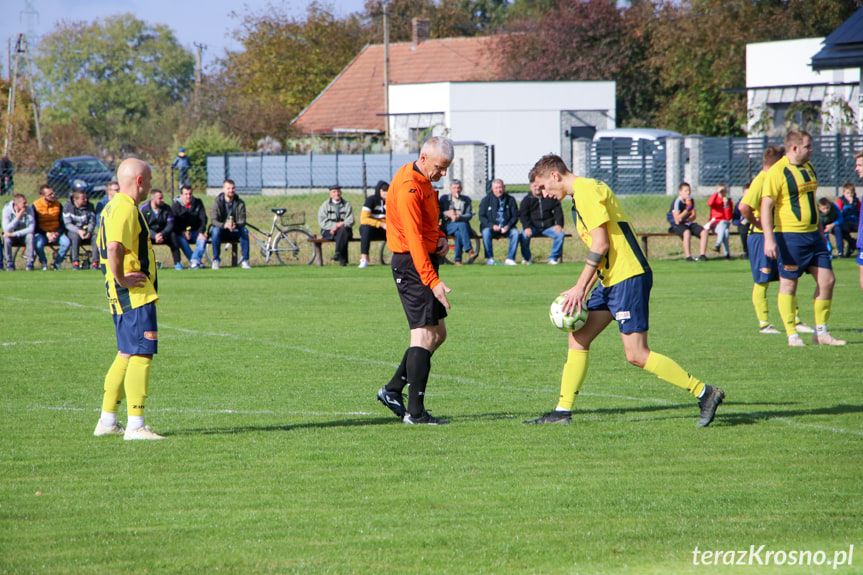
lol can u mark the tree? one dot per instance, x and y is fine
(586, 40)
(698, 50)
(119, 79)
(285, 63)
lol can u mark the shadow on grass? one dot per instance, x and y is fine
(723, 417)
(757, 416)
(289, 427)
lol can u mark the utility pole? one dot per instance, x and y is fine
(199, 75)
(384, 4)
(21, 51)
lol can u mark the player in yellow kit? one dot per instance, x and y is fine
(129, 266)
(793, 235)
(764, 269)
(616, 259)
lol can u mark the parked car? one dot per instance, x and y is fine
(86, 173)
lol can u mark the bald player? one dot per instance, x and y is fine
(129, 266)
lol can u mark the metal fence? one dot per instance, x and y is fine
(736, 161)
(630, 166)
(254, 172)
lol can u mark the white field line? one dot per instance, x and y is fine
(457, 379)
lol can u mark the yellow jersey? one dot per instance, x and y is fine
(121, 221)
(752, 198)
(793, 190)
(594, 204)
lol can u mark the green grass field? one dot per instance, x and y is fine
(279, 460)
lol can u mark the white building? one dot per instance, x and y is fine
(523, 120)
(780, 79)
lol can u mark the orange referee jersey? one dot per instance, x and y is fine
(412, 220)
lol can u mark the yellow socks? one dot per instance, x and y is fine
(759, 302)
(666, 368)
(114, 391)
(137, 383)
(822, 311)
(785, 302)
(574, 374)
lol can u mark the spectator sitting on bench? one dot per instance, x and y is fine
(336, 217)
(541, 216)
(19, 223)
(160, 220)
(721, 213)
(190, 225)
(79, 218)
(373, 221)
(498, 216)
(455, 214)
(831, 223)
(682, 219)
(50, 230)
(229, 223)
(849, 205)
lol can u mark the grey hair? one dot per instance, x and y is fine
(455, 181)
(441, 145)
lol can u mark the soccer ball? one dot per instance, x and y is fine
(565, 322)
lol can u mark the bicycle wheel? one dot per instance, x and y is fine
(386, 254)
(292, 247)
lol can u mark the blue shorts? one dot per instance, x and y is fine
(137, 333)
(764, 269)
(628, 301)
(860, 258)
(800, 251)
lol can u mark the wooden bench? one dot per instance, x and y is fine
(385, 253)
(647, 235)
(318, 242)
(234, 247)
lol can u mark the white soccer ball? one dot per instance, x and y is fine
(563, 321)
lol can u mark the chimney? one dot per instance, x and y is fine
(421, 28)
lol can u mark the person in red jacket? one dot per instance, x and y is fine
(721, 213)
(417, 244)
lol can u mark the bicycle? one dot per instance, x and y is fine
(288, 239)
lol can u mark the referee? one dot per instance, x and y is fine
(417, 242)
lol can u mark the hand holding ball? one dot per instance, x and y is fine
(566, 322)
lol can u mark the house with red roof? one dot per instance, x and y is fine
(455, 87)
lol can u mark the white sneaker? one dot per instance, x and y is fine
(195, 265)
(795, 341)
(245, 265)
(363, 264)
(509, 262)
(141, 433)
(490, 262)
(768, 329)
(102, 429)
(215, 264)
(526, 262)
(553, 262)
(803, 328)
(826, 339)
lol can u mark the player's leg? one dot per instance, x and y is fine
(138, 338)
(578, 357)
(785, 303)
(113, 396)
(825, 280)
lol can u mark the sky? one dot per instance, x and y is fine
(206, 22)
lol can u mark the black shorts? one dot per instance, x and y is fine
(421, 306)
(694, 228)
